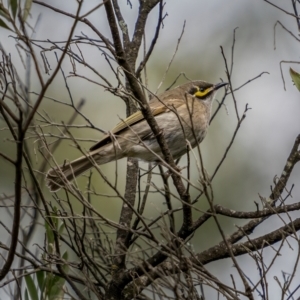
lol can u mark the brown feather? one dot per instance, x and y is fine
(183, 115)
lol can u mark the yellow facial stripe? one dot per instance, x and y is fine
(201, 94)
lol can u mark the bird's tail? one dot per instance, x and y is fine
(59, 176)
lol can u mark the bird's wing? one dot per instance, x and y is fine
(157, 108)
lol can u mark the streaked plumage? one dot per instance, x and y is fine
(183, 113)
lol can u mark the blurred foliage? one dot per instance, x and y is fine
(43, 285)
(9, 13)
(259, 150)
(296, 78)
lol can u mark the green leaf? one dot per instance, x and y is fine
(4, 13)
(55, 284)
(40, 275)
(31, 288)
(54, 217)
(26, 295)
(54, 287)
(57, 291)
(27, 8)
(14, 7)
(61, 228)
(65, 257)
(48, 283)
(49, 233)
(3, 24)
(296, 78)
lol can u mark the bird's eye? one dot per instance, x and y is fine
(202, 89)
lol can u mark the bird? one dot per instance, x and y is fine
(182, 113)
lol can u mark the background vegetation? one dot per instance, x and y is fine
(53, 97)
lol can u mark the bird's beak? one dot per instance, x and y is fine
(219, 85)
